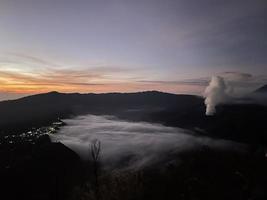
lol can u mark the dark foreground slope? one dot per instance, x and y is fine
(38, 170)
(203, 174)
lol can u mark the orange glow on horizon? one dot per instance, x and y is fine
(98, 88)
(82, 81)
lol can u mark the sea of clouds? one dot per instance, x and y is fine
(145, 143)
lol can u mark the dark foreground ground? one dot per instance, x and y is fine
(50, 171)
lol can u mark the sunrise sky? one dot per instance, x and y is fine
(129, 45)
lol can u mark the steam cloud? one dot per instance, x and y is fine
(140, 142)
(233, 87)
(216, 93)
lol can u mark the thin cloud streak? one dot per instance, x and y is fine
(197, 82)
(16, 77)
(19, 76)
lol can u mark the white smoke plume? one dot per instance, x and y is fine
(216, 93)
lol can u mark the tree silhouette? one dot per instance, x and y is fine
(95, 153)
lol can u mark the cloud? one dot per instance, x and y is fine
(10, 96)
(237, 76)
(196, 82)
(35, 75)
(243, 83)
(21, 73)
(232, 87)
(240, 83)
(64, 80)
(29, 59)
(142, 143)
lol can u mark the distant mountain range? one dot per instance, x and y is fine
(239, 122)
(262, 89)
(41, 109)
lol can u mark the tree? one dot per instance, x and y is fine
(95, 153)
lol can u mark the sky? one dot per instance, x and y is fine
(129, 45)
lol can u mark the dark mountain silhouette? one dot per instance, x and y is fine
(42, 109)
(262, 89)
(239, 122)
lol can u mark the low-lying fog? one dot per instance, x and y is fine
(136, 143)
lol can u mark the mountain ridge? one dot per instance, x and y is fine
(239, 122)
(262, 89)
(38, 110)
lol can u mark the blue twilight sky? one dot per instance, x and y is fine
(129, 45)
